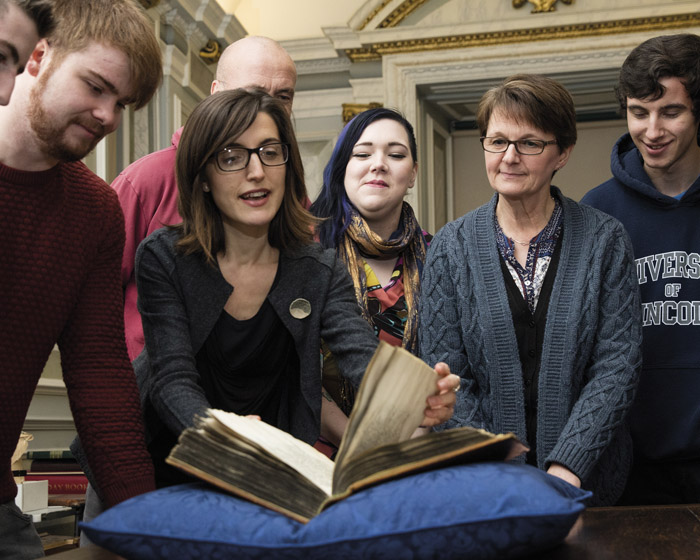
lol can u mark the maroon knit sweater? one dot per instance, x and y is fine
(61, 243)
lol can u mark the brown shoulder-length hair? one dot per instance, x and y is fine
(213, 125)
(538, 100)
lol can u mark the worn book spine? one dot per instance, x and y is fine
(61, 483)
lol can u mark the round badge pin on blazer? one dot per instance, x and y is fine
(300, 308)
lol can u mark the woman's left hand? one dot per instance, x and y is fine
(442, 405)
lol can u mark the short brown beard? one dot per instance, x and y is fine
(48, 132)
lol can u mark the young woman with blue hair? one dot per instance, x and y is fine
(373, 229)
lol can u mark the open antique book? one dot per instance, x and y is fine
(261, 463)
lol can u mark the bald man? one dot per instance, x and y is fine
(147, 188)
(257, 61)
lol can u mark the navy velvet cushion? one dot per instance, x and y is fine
(484, 510)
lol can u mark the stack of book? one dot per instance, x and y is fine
(59, 468)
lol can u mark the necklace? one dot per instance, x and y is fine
(527, 243)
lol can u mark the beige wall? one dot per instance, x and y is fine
(588, 166)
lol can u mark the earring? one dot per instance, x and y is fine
(205, 187)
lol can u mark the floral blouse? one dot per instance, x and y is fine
(530, 278)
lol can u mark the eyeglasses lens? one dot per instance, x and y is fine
(235, 159)
(525, 147)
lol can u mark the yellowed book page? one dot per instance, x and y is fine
(390, 403)
(299, 455)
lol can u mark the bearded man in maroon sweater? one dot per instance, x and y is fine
(61, 244)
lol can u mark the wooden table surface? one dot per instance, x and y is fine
(641, 533)
(648, 532)
(86, 553)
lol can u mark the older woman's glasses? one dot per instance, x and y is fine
(498, 145)
(235, 159)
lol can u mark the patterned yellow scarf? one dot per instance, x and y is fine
(360, 241)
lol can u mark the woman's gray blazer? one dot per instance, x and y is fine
(182, 296)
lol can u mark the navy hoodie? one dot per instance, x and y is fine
(665, 232)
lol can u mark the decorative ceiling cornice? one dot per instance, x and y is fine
(397, 15)
(400, 13)
(540, 5)
(635, 25)
(373, 14)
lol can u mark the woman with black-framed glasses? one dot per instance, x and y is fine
(235, 299)
(532, 299)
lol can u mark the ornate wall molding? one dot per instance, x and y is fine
(323, 66)
(373, 14)
(185, 27)
(316, 48)
(320, 105)
(396, 16)
(574, 31)
(540, 5)
(367, 90)
(400, 13)
(211, 52)
(352, 109)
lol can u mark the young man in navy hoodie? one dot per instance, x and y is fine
(655, 193)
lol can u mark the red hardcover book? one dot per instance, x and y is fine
(62, 483)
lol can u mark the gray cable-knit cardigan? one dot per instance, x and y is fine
(591, 355)
(181, 298)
